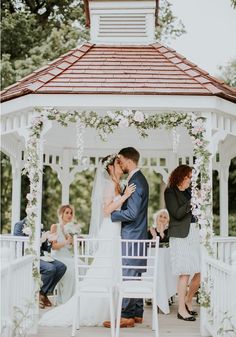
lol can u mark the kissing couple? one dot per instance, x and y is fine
(114, 213)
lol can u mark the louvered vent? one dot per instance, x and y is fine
(122, 26)
(122, 21)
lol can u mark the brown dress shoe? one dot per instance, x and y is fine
(124, 323)
(138, 320)
(47, 302)
(41, 302)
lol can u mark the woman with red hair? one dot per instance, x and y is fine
(184, 239)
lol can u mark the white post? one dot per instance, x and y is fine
(16, 190)
(224, 198)
(65, 178)
(203, 311)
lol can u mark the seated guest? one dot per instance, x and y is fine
(160, 227)
(62, 249)
(51, 272)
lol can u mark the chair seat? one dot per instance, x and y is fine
(136, 287)
(95, 288)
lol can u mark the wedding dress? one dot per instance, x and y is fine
(90, 314)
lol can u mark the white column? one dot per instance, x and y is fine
(65, 178)
(66, 175)
(224, 197)
(16, 190)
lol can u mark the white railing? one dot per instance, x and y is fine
(15, 245)
(219, 319)
(221, 315)
(17, 296)
(224, 247)
(17, 286)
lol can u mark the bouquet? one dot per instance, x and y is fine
(72, 229)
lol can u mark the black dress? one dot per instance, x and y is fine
(164, 242)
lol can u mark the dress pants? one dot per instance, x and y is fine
(51, 273)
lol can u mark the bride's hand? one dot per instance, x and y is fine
(69, 239)
(130, 189)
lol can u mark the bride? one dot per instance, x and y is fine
(106, 197)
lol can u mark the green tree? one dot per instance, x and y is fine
(168, 25)
(229, 73)
(6, 191)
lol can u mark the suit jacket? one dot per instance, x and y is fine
(133, 213)
(18, 231)
(179, 208)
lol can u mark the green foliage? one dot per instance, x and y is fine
(229, 73)
(30, 40)
(6, 191)
(232, 189)
(232, 224)
(232, 186)
(233, 3)
(169, 26)
(51, 199)
(20, 33)
(80, 197)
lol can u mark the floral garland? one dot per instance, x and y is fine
(105, 125)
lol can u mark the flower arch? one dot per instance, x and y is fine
(105, 125)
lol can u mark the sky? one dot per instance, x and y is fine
(210, 40)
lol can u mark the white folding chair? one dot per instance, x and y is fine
(94, 274)
(135, 252)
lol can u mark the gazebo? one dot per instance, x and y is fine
(121, 68)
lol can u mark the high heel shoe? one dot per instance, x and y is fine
(190, 318)
(191, 312)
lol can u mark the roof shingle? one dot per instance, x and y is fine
(104, 69)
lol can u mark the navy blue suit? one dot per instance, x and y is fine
(133, 217)
(51, 272)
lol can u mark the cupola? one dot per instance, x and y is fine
(122, 22)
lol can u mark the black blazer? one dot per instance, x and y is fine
(179, 208)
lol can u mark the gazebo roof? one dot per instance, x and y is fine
(151, 69)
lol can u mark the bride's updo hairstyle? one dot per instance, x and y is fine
(109, 160)
(61, 211)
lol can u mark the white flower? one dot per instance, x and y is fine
(198, 142)
(127, 112)
(72, 229)
(31, 210)
(27, 231)
(123, 123)
(44, 236)
(203, 233)
(30, 197)
(138, 116)
(111, 114)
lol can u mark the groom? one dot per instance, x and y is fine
(133, 217)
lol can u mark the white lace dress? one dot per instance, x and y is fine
(95, 312)
(66, 286)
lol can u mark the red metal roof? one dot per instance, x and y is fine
(105, 69)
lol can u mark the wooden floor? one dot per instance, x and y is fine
(169, 326)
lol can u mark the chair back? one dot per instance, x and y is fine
(139, 259)
(94, 262)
